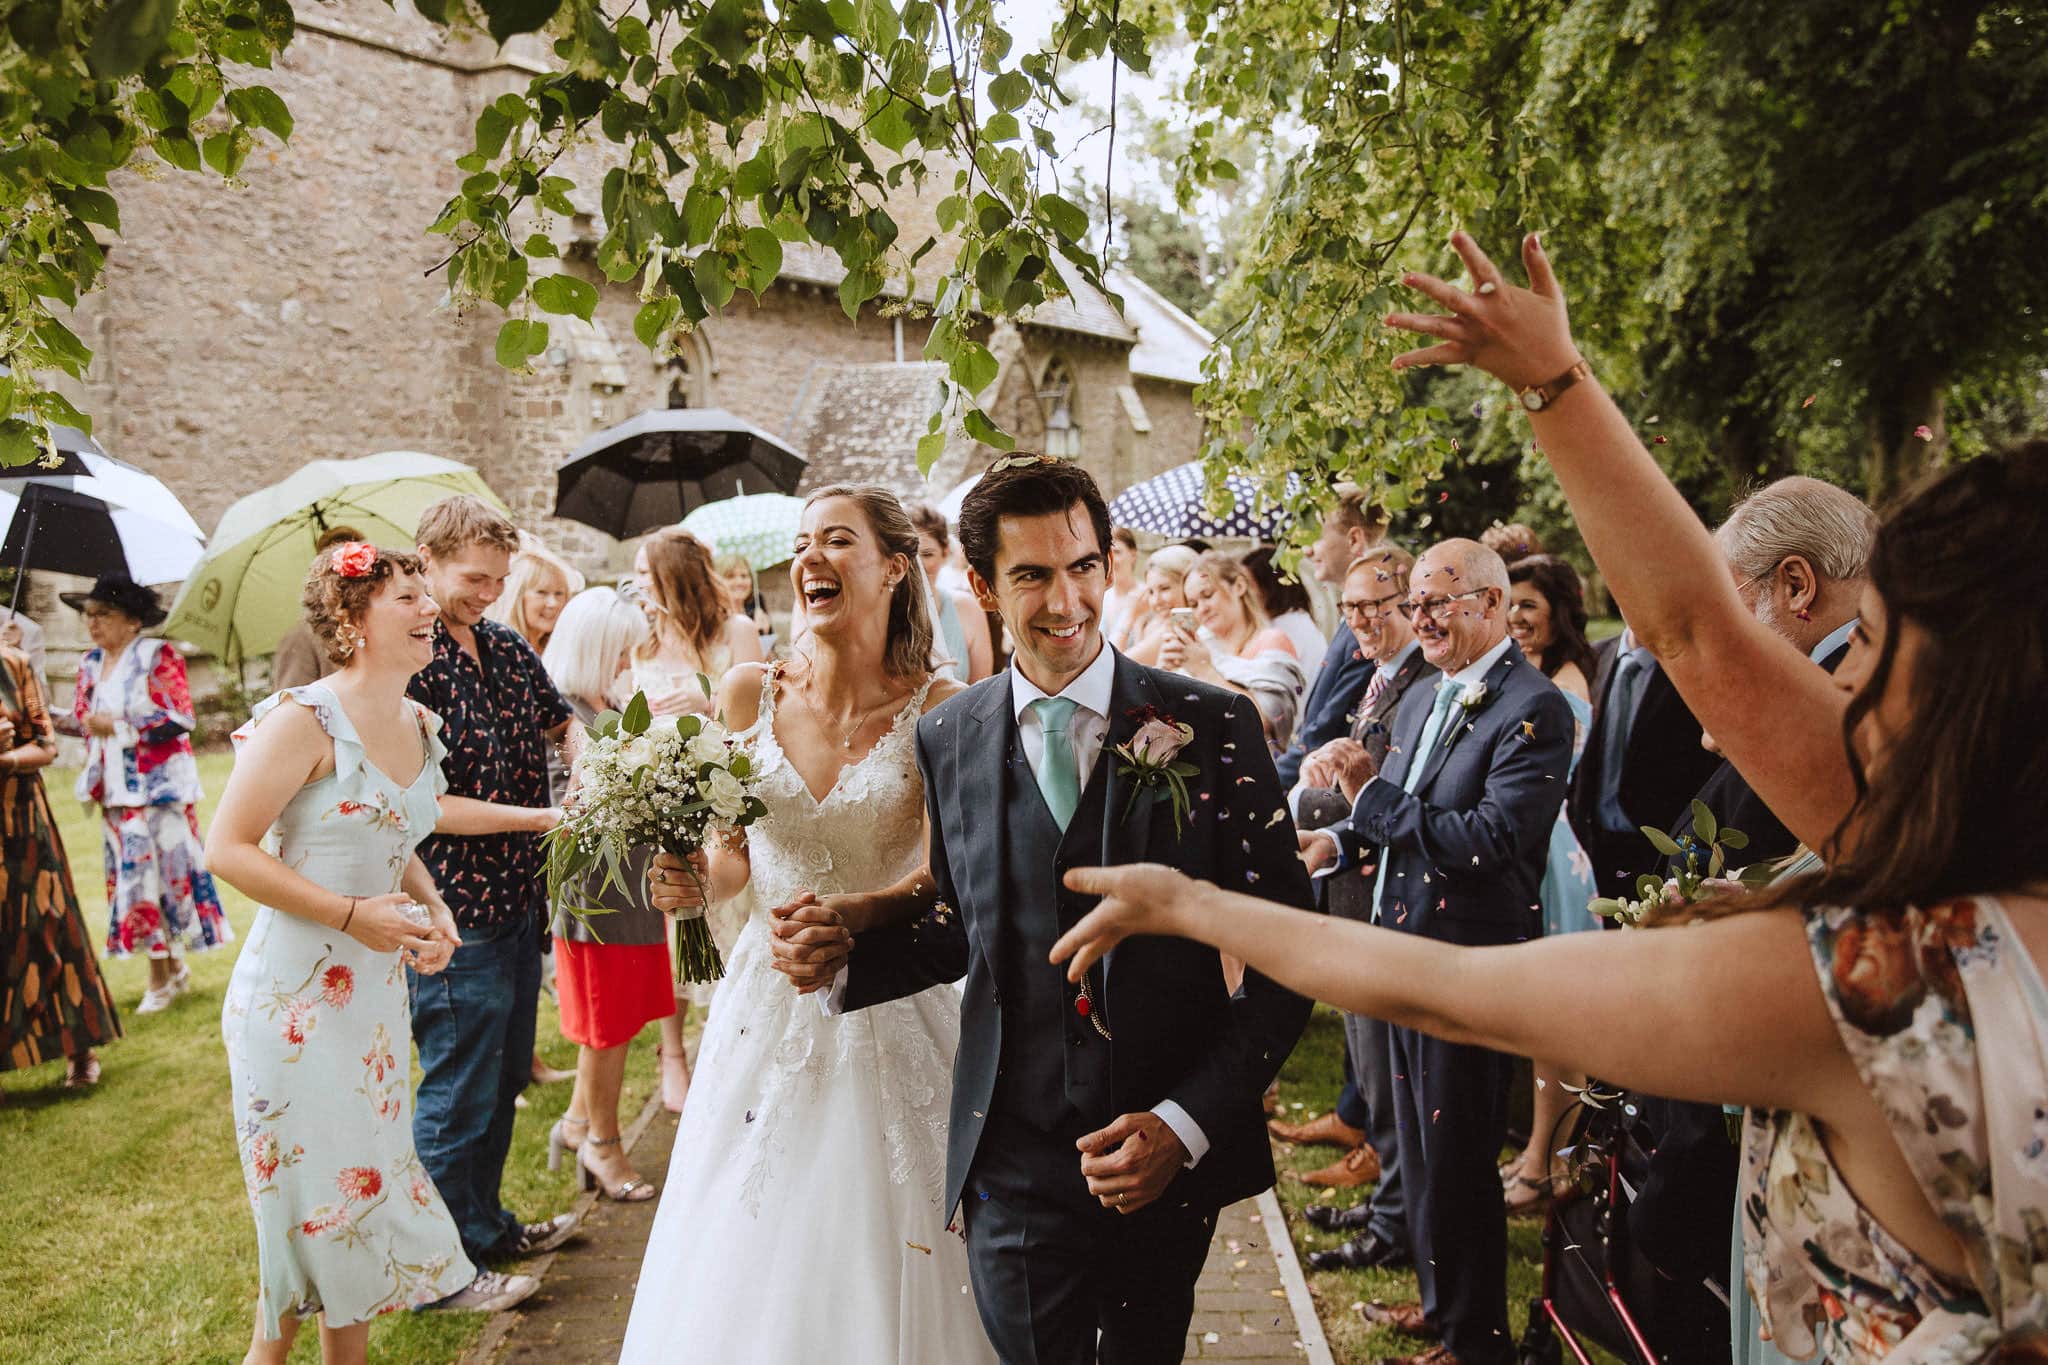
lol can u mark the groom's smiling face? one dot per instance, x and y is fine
(1051, 574)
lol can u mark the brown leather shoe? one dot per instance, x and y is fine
(1405, 1318)
(1359, 1166)
(1435, 1355)
(1324, 1128)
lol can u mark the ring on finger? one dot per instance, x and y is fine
(1487, 288)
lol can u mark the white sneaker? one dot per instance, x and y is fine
(490, 1292)
(157, 999)
(181, 982)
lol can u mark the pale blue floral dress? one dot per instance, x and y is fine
(319, 1042)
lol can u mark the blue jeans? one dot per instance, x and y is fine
(474, 1024)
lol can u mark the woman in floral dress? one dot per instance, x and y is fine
(135, 712)
(1883, 1019)
(347, 773)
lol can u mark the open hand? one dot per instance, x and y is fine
(1130, 1163)
(1137, 898)
(809, 942)
(1519, 336)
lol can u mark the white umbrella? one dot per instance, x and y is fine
(950, 504)
(243, 596)
(111, 518)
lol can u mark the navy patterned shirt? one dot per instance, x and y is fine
(494, 720)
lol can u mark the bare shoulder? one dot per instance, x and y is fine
(290, 738)
(739, 694)
(943, 690)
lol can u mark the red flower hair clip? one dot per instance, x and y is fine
(353, 559)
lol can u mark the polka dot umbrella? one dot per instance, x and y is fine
(1171, 505)
(759, 527)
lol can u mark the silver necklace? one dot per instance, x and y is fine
(846, 737)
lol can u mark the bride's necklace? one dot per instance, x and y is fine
(846, 736)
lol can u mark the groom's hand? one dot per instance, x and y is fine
(809, 942)
(1130, 1163)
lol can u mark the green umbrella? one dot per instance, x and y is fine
(759, 527)
(243, 595)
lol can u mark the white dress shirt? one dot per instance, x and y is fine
(1089, 691)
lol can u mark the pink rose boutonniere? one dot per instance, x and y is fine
(1151, 762)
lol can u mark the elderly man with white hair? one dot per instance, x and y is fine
(1797, 550)
(1458, 823)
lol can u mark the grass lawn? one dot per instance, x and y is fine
(1308, 1086)
(125, 1234)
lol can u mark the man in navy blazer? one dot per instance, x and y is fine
(1458, 821)
(1352, 528)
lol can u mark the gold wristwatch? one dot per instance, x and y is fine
(1540, 396)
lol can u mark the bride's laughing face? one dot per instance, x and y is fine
(841, 573)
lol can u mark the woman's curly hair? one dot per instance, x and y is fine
(334, 602)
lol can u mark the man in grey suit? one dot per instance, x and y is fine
(1373, 589)
(1096, 1130)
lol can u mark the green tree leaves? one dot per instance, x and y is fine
(565, 294)
(130, 33)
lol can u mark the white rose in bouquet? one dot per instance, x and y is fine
(709, 747)
(727, 796)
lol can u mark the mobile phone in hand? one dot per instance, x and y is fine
(1183, 619)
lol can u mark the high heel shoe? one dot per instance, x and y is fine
(558, 1140)
(631, 1190)
(675, 1079)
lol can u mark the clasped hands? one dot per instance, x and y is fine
(1342, 765)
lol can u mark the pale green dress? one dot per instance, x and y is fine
(319, 1042)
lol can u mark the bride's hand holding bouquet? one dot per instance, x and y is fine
(674, 786)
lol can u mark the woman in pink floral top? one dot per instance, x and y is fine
(134, 710)
(1884, 1020)
(342, 779)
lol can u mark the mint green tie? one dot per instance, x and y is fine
(1446, 693)
(1058, 779)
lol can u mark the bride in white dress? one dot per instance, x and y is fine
(811, 1159)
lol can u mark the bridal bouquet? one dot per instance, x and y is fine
(640, 783)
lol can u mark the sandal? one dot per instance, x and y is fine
(632, 1190)
(1526, 1196)
(558, 1139)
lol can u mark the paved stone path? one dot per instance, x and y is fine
(1243, 1311)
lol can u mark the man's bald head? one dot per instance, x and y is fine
(1466, 562)
(1468, 586)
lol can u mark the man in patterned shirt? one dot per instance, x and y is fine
(474, 1022)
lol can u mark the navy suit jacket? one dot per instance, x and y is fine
(1179, 1034)
(1465, 851)
(1327, 714)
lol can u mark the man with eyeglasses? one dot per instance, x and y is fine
(1458, 821)
(1352, 528)
(1331, 779)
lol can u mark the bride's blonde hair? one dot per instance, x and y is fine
(908, 652)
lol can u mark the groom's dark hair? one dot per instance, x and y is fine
(1026, 486)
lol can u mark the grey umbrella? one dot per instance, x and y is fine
(655, 469)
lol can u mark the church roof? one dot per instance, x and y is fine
(860, 423)
(1171, 345)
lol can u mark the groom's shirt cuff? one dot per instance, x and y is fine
(1185, 1128)
(832, 1000)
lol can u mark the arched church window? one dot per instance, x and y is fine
(1058, 401)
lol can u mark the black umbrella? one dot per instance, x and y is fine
(657, 468)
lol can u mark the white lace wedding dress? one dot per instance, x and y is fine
(801, 1221)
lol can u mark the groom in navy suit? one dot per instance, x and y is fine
(1096, 1130)
(1458, 822)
